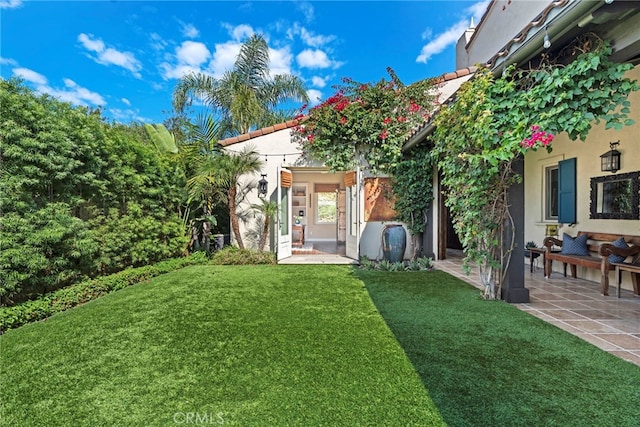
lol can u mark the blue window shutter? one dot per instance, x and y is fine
(567, 191)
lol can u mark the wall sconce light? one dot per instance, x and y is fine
(546, 42)
(262, 186)
(610, 161)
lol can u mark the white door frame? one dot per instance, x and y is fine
(354, 209)
(284, 218)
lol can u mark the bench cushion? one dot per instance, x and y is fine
(575, 246)
(620, 243)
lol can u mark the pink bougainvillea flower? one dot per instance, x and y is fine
(402, 119)
(413, 107)
(343, 120)
(386, 120)
(384, 134)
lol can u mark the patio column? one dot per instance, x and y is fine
(513, 289)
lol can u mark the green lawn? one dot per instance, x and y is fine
(307, 346)
(255, 345)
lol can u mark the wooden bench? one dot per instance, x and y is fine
(597, 260)
(632, 267)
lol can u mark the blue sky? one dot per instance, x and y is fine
(127, 56)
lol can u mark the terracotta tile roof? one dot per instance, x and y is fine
(256, 133)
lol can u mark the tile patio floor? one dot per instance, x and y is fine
(576, 305)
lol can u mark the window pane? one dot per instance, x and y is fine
(284, 211)
(551, 193)
(326, 208)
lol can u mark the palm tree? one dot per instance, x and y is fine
(228, 168)
(268, 210)
(199, 156)
(245, 97)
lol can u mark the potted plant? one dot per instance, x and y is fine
(530, 245)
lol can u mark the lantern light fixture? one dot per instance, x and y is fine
(262, 186)
(610, 161)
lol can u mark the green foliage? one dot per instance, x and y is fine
(135, 239)
(417, 264)
(164, 141)
(88, 290)
(245, 97)
(230, 255)
(365, 122)
(420, 264)
(42, 250)
(412, 185)
(492, 124)
(79, 196)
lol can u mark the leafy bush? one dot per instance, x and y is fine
(231, 255)
(42, 251)
(80, 293)
(418, 264)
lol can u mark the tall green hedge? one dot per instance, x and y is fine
(79, 197)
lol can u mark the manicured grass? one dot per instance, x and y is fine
(242, 345)
(490, 364)
(306, 346)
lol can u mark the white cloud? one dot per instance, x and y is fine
(450, 36)
(314, 58)
(8, 61)
(280, 61)
(315, 97)
(10, 4)
(126, 101)
(188, 59)
(427, 34)
(30, 76)
(318, 81)
(239, 32)
(192, 53)
(189, 30)
(157, 42)
(442, 42)
(224, 57)
(309, 38)
(110, 56)
(307, 10)
(128, 115)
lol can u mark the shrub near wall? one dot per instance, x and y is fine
(88, 290)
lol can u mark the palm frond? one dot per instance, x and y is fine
(252, 63)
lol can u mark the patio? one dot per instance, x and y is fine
(576, 305)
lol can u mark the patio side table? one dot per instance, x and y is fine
(532, 254)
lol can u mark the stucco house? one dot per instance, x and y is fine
(510, 32)
(344, 212)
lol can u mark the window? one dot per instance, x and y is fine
(326, 208)
(551, 193)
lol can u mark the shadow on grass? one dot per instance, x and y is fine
(489, 364)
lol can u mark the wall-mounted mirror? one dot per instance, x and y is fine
(616, 196)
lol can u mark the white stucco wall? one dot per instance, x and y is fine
(587, 154)
(502, 22)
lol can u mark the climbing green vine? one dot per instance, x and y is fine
(494, 121)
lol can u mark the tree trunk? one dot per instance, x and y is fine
(265, 233)
(235, 225)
